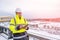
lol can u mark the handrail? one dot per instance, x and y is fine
(28, 34)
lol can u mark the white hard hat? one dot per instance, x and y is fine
(18, 10)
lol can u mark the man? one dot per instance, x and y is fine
(18, 26)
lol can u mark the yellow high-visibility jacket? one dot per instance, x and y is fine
(18, 21)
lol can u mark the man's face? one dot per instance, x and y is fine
(19, 14)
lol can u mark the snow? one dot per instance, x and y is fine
(36, 31)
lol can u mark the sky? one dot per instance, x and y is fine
(31, 8)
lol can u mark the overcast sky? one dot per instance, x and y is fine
(31, 8)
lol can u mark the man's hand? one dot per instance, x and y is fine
(20, 26)
(27, 28)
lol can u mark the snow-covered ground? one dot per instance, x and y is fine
(48, 30)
